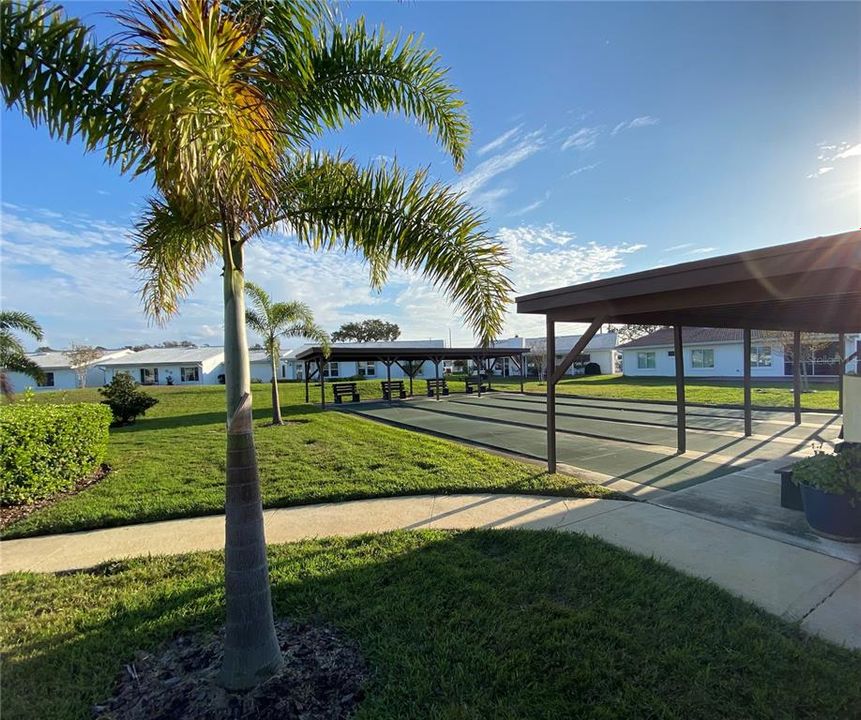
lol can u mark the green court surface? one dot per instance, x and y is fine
(628, 440)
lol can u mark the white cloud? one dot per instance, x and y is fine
(679, 247)
(531, 206)
(831, 153)
(485, 171)
(854, 151)
(637, 122)
(701, 251)
(821, 171)
(498, 142)
(490, 200)
(585, 168)
(583, 139)
(544, 257)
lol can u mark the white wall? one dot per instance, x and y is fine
(64, 379)
(294, 370)
(729, 361)
(206, 378)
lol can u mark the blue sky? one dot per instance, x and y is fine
(608, 138)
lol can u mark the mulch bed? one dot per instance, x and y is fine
(10, 514)
(322, 677)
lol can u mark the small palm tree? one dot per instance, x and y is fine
(220, 102)
(275, 320)
(13, 357)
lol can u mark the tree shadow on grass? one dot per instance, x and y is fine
(211, 418)
(478, 624)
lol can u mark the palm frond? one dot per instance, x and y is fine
(173, 249)
(53, 70)
(355, 72)
(20, 363)
(20, 321)
(196, 103)
(398, 219)
(310, 331)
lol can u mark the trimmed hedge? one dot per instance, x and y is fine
(45, 449)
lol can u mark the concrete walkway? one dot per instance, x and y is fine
(823, 592)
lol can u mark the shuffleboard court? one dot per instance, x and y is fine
(628, 440)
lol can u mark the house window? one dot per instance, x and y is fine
(702, 359)
(189, 374)
(331, 370)
(760, 356)
(367, 368)
(149, 376)
(646, 360)
(46, 381)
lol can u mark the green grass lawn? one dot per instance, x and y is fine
(483, 624)
(171, 463)
(708, 392)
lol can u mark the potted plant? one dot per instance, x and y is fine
(831, 489)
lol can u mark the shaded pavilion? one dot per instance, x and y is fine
(408, 358)
(808, 286)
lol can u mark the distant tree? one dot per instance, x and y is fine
(812, 345)
(13, 357)
(626, 333)
(80, 358)
(44, 348)
(538, 356)
(371, 330)
(177, 344)
(274, 320)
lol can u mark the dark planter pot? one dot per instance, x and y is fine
(790, 493)
(832, 516)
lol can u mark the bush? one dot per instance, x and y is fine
(125, 400)
(45, 449)
(592, 369)
(839, 473)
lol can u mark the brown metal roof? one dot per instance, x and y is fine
(813, 285)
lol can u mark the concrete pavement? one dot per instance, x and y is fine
(823, 592)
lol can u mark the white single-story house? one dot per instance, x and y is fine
(292, 369)
(601, 350)
(719, 352)
(170, 366)
(261, 366)
(59, 374)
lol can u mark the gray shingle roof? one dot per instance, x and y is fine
(164, 356)
(694, 336)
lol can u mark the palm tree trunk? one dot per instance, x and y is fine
(276, 402)
(251, 650)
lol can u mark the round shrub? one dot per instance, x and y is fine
(45, 449)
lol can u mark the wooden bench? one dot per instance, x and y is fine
(391, 387)
(348, 389)
(437, 385)
(476, 382)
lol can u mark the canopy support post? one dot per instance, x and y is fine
(322, 384)
(550, 344)
(575, 352)
(748, 424)
(796, 375)
(307, 370)
(520, 364)
(436, 374)
(841, 351)
(681, 435)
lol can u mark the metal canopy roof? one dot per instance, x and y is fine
(813, 285)
(406, 353)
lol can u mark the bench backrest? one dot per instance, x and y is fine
(434, 381)
(392, 384)
(344, 387)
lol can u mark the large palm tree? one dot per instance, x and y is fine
(13, 357)
(221, 103)
(275, 320)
